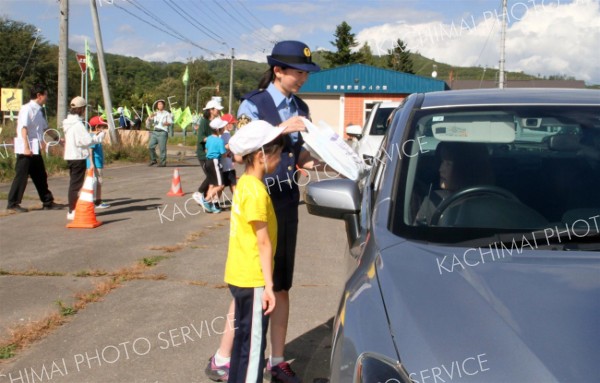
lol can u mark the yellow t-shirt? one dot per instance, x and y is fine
(251, 202)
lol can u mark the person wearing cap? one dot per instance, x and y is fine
(227, 169)
(95, 161)
(77, 144)
(215, 150)
(31, 125)
(160, 120)
(211, 111)
(252, 245)
(276, 102)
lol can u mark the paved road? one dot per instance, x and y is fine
(161, 323)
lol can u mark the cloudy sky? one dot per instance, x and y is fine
(544, 37)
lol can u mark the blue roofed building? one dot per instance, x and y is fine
(345, 95)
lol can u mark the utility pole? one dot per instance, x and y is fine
(103, 76)
(63, 49)
(231, 84)
(502, 47)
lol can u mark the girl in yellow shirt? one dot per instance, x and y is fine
(252, 241)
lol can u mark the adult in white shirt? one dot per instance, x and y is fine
(160, 120)
(77, 143)
(31, 125)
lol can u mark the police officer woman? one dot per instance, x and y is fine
(275, 101)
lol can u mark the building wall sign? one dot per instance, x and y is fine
(356, 87)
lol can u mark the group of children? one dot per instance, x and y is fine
(259, 266)
(219, 163)
(253, 230)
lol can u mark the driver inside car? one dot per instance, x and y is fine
(462, 165)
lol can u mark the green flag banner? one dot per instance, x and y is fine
(127, 113)
(148, 111)
(176, 112)
(101, 112)
(186, 118)
(186, 77)
(88, 61)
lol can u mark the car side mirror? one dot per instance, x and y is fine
(337, 199)
(354, 131)
(368, 159)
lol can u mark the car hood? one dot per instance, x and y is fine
(533, 315)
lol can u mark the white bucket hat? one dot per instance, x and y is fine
(213, 104)
(218, 123)
(255, 134)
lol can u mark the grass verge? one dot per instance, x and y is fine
(22, 336)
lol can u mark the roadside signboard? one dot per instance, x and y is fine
(81, 62)
(11, 100)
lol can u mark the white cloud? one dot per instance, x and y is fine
(550, 39)
(138, 47)
(566, 36)
(401, 14)
(126, 28)
(295, 8)
(77, 43)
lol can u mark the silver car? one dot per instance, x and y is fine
(473, 244)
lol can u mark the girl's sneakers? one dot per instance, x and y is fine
(217, 373)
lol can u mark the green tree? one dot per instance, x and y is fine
(344, 42)
(366, 55)
(399, 58)
(20, 61)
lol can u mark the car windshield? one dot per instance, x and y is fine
(470, 173)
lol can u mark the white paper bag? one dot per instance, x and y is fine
(323, 142)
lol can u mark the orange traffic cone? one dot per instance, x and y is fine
(176, 190)
(85, 216)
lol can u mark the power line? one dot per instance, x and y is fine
(486, 40)
(201, 11)
(193, 22)
(233, 38)
(37, 35)
(146, 22)
(258, 31)
(255, 18)
(157, 21)
(216, 2)
(165, 27)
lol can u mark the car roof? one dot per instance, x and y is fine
(512, 96)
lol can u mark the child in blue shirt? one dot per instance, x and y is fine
(215, 149)
(97, 154)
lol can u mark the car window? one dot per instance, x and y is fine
(503, 169)
(380, 121)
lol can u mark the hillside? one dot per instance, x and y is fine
(423, 66)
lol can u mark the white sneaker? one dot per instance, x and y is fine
(102, 206)
(71, 215)
(197, 196)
